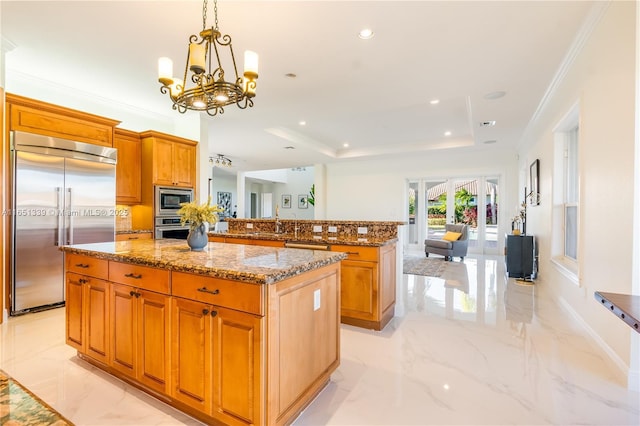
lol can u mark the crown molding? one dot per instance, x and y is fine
(589, 25)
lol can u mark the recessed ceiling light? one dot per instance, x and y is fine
(434, 101)
(495, 95)
(489, 142)
(346, 145)
(488, 123)
(302, 123)
(447, 133)
(365, 34)
(290, 75)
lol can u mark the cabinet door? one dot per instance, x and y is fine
(123, 329)
(154, 334)
(387, 284)
(191, 354)
(184, 162)
(236, 366)
(128, 178)
(96, 294)
(163, 163)
(74, 307)
(359, 289)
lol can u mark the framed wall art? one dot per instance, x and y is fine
(303, 203)
(534, 176)
(224, 201)
(286, 201)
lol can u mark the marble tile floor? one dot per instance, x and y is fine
(468, 348)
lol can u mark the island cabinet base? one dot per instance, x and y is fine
(223, 351)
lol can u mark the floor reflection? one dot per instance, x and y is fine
(466, 290)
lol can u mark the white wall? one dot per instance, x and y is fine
(376, 189)
(601, 78)
(298, 183)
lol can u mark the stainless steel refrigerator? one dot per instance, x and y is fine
(63, 193)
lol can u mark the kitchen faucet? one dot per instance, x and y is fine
(295, 225)
(278, 223)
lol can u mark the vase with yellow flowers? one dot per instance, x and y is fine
(197, 216)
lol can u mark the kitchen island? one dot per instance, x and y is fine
(368, 274)
(234, 335)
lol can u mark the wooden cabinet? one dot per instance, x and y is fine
(368, 285)
(140, 334)
(87, 309)
(172, 159)
(32, 116)
(87, 305)
(217, 359)
(128, 176)
(134, 236)
(223, 351)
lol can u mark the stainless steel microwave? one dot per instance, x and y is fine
(168, 200)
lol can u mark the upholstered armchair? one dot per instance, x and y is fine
(454, 242)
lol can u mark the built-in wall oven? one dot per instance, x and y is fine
(168, 200)
(170, 227)
(167, 203)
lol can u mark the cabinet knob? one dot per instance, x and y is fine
(132, 293)
(205, 312)
(82, 281)
(214, 313)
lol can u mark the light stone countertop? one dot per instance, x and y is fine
(238, 262)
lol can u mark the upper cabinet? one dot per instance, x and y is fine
(128, 178)
(32, 116)
(173, 159)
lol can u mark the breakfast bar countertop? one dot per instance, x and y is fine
(349, 240)
(238, 262)
(624, 306)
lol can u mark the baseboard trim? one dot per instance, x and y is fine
(622, 366)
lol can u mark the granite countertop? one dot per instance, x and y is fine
(309, 238)
(238, 262)
(133, 231)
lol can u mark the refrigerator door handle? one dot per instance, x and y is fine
(70, 215)
(58, 235)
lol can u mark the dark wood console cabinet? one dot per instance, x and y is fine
(520, 256)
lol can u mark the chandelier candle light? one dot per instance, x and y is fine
(209, 92)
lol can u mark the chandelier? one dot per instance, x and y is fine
(220, 160)
(208, 90)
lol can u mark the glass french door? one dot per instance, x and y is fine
(472, 201)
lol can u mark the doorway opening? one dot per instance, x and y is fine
(473, 201)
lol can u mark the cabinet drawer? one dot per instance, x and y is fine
(236, 295)
(85, 265)
(139, 276)
(358, 252)
(134, 236)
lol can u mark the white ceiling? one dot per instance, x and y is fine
(373, 94)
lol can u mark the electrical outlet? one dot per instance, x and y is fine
(316, 299)
(362, 229)
(317, 228)
(333, 229)
(249, 225)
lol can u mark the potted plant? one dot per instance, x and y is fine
(198, 216)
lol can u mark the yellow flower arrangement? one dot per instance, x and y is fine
(196, 215)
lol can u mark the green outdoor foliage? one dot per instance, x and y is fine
(311, 199)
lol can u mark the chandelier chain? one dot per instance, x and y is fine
(204, 14)
(215, 13)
